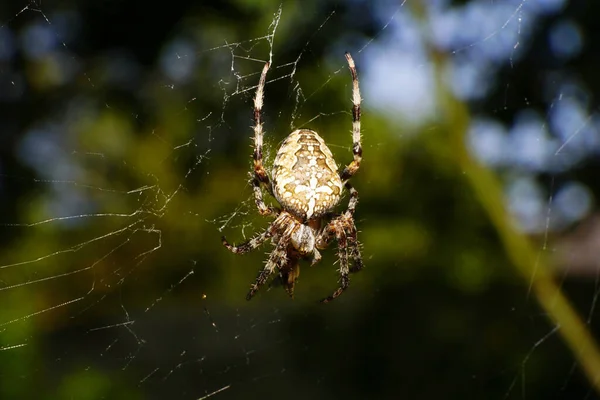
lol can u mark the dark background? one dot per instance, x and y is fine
(133, 296)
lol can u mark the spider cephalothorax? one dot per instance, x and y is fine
(307, 184)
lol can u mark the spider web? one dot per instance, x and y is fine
(123, 166)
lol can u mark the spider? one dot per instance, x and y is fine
(308, 186)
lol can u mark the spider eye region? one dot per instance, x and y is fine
(305, 176)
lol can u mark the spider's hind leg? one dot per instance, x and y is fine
(263, 208)
(353, 167)
(259, 169)
(260, 176)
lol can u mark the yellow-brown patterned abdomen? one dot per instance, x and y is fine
(305, 176)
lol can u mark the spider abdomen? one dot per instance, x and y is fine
(305, 176)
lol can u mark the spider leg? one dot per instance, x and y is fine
(352, 168)
(248, 245)
(353, 244)
(316, 257)
(277, 259)
(289, 274)
(353, 199)
(342, 227)
(354, 247)
(263, 209)
(343, 256)
(328, 233)
(324, 238)
(260, 174)
(259, 170)
(255, 241)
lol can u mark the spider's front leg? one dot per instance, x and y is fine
(345, 220)
(255, 241)
(354, 248)
(249, 245)
(277, 259)
(353, 244)
(337, 228)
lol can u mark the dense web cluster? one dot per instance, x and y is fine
(120, 170)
